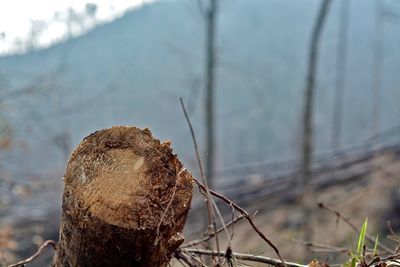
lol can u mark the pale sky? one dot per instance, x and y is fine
(16, 16)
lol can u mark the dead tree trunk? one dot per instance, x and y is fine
(378, 66)
(211, 13)
(308, 133)
(341, 59)
(125, 201)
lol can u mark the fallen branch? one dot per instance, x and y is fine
(244, 257)
(37, 254)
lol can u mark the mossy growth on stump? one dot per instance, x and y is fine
(125, 201)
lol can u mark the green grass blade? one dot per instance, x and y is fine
(361, 237)
(376, 245)
(353, 262)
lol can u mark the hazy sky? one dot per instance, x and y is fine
(16, 16)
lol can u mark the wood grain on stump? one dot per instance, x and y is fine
(125, 201)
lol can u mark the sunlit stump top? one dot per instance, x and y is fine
(125, 201)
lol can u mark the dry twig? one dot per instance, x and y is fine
(394, 236)
(246, 216)
(377, 259)
(322, 247)
(209, 192)
(211, 235)
(37, 254)
(210, 201)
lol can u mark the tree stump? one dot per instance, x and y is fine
(125, 201)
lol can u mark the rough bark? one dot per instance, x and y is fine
(125, 201)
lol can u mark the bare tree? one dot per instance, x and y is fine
(341, 60)
(37, 28)
(377, 68)
(308, 131)
(210, 67)
(72, 20)
(91, 12)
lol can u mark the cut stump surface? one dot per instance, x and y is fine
(125, 201)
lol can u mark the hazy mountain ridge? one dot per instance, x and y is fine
(133, 70)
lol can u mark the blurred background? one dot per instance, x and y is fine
(285, 96)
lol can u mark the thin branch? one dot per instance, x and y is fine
(246, 215)
(199, 162)
(394, 236)
(233, 225)
(245, 257)
(352, 226)
(199, 261)
(37, 254)
(391, 257)
(196, 148)
(377, 259)
(211, 235)
(210, 201)
(224, 227)
(325, 248)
